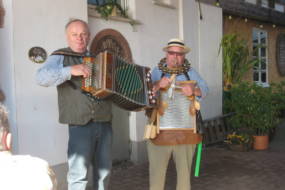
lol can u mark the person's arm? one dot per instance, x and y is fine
(201, 89)
(156, 79)
(53, 73)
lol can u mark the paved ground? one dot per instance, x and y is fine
(221, 169)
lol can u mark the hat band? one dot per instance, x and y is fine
(180, 43)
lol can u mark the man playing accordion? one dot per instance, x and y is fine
(89, 120)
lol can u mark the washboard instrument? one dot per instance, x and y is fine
(127, 85)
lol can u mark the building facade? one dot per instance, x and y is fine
(33, 113)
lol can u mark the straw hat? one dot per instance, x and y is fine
(176, 42)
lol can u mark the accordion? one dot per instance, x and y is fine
(127, 85)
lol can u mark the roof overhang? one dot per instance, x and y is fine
(249, 10)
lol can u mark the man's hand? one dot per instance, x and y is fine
(80, 70)
(163, 83)
(191, 90)
(188, 89)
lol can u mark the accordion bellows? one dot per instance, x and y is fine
(127, 85)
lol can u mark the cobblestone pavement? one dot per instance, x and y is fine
(221, 169)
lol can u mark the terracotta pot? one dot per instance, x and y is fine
(260, 142)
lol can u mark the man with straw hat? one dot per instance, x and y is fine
(179, 89)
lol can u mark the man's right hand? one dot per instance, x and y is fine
(163, 83)
(80, 70)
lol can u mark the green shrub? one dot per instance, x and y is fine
(255, 108)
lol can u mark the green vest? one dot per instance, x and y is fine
(75, 107)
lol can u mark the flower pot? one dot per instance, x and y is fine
(260, 142)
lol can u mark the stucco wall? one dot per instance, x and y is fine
(210, 60)
(34, 108)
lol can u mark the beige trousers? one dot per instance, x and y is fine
(158, 161)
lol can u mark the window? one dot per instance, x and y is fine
(164, 3)
(279, 7)
(260, 69)
(102, 2)
(251, 1)
(265, 3)
(123, 4)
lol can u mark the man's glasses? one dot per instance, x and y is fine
(176, 53)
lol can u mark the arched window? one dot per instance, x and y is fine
(114, 42)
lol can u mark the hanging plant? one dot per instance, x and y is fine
(106, 9)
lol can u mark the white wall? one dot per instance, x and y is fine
(39, 24)
(210, 62)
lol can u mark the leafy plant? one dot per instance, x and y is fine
(279, 97)
(236, 59)
(105, 10)
(254, 107)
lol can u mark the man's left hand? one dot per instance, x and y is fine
(188, 90)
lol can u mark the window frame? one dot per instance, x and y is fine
(164, 3)
(104, 1)
(257, 32)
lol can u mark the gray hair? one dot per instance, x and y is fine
(76, 20)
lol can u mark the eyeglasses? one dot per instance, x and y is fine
(176, 53)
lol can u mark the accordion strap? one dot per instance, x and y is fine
(69, 52)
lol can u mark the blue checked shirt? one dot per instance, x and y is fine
(156, 75)
(52, 73)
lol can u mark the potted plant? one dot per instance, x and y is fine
(255, 111)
